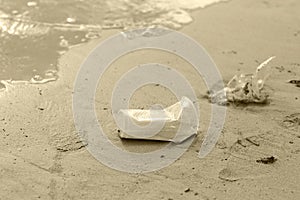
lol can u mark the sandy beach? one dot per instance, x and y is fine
(256, 157)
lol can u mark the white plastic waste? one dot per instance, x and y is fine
(245, 88)
(175, 123)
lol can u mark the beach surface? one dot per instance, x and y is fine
(256, 157)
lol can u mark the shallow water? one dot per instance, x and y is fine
(34, 34)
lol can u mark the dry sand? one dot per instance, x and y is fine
(41, 156)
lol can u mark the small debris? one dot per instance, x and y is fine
(187, 190)
(295, 82)
(267, 160)
(245, 88)
(40, 92)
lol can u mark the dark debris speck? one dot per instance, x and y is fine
(267, 160)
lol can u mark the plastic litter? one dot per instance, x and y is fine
(245, 88)
(175, 123)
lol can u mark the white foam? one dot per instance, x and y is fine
(186, 4)
(170, 13)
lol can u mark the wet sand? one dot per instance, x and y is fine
(41, 156)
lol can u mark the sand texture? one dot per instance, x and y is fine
(256, 157)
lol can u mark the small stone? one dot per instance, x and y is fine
(71, 20)
(31, 4)
(187, 190)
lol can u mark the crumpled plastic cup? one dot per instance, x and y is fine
(175, 123)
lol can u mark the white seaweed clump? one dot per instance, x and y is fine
(245, 88)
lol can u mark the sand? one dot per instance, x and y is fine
(256, 157)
